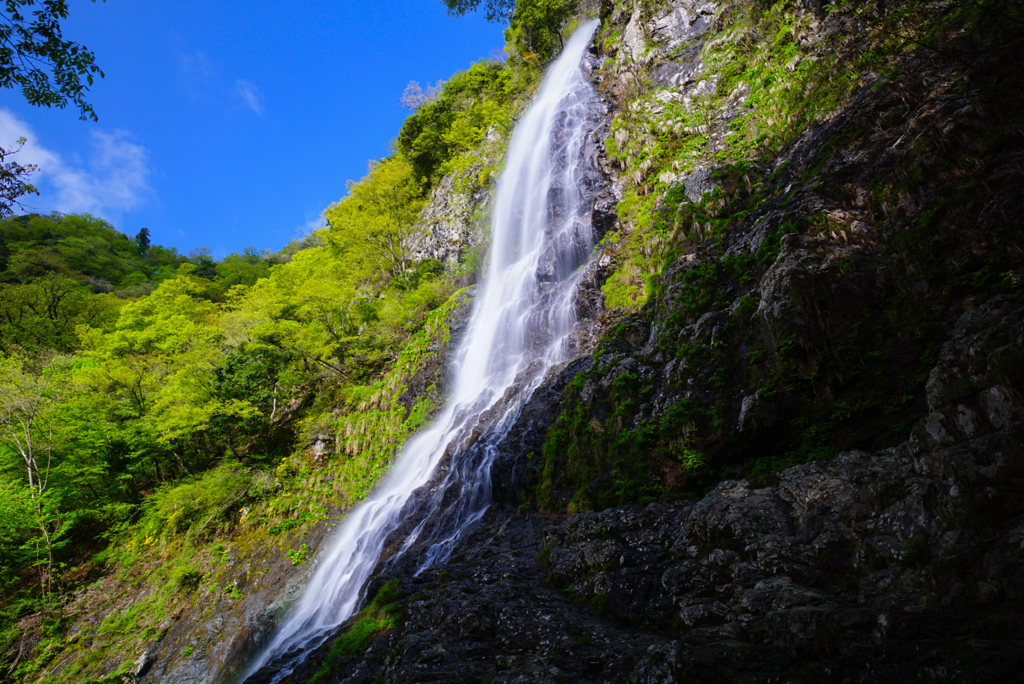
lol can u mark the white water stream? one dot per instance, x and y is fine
(522, 320)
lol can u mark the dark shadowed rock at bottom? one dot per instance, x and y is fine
(844, 571)
(905, 564)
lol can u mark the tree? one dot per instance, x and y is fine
(157, 363)
(240, 269)
(374, 225)
(499, 11)
(14, 179)
(35, 57)
(43, 313)
(415, 96)
(142, 240)
(469, 102)
(206, 267)
(28, 418)
(536, 26)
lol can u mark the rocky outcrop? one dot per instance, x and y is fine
(903, 563)
(803, 299)
(452, 221)
(219, 628)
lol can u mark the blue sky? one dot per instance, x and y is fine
(227, 124)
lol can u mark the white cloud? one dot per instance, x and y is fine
(250, 95)
(11, 129)
(312, 226)
(195, 71)
(115, 180)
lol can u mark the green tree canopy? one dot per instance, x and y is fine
(80, 246)
(372, 226)
(497, 10)
(458, 118)
(43, 313)
(536, 27)
(35, 57)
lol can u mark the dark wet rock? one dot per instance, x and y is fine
(898, 561)
(833, 567)
(969, 361)
(815, 290)
(519, 452)
(604, 216)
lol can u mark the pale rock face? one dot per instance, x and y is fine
(681, 24)
(633, 37)
(447, 225)
(650, 41)
(698, 183)
(704, 88)
(746, 412)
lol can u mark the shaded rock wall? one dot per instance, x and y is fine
(903, 563)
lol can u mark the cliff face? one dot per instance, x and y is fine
(810, 304)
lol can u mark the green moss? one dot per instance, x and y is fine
(298, 556)
(609, 453)
(186, 577)
(383, 613)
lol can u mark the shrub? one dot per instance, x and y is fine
(194, 504)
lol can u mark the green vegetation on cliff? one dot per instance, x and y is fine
(792, 242)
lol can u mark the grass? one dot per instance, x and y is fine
(382, 614)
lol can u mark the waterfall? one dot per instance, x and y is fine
(522, 322)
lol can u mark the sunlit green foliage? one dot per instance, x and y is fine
(156, 364)
(196, 504)
(76, 245)
(44, 312)
(370, 229)
(17, 525)
(242, 269)
(52, 483)
(186, 403)
(457, 121)
(536, 28)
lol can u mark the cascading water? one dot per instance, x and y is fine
(521, 326)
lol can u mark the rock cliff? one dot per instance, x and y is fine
(794, 448)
